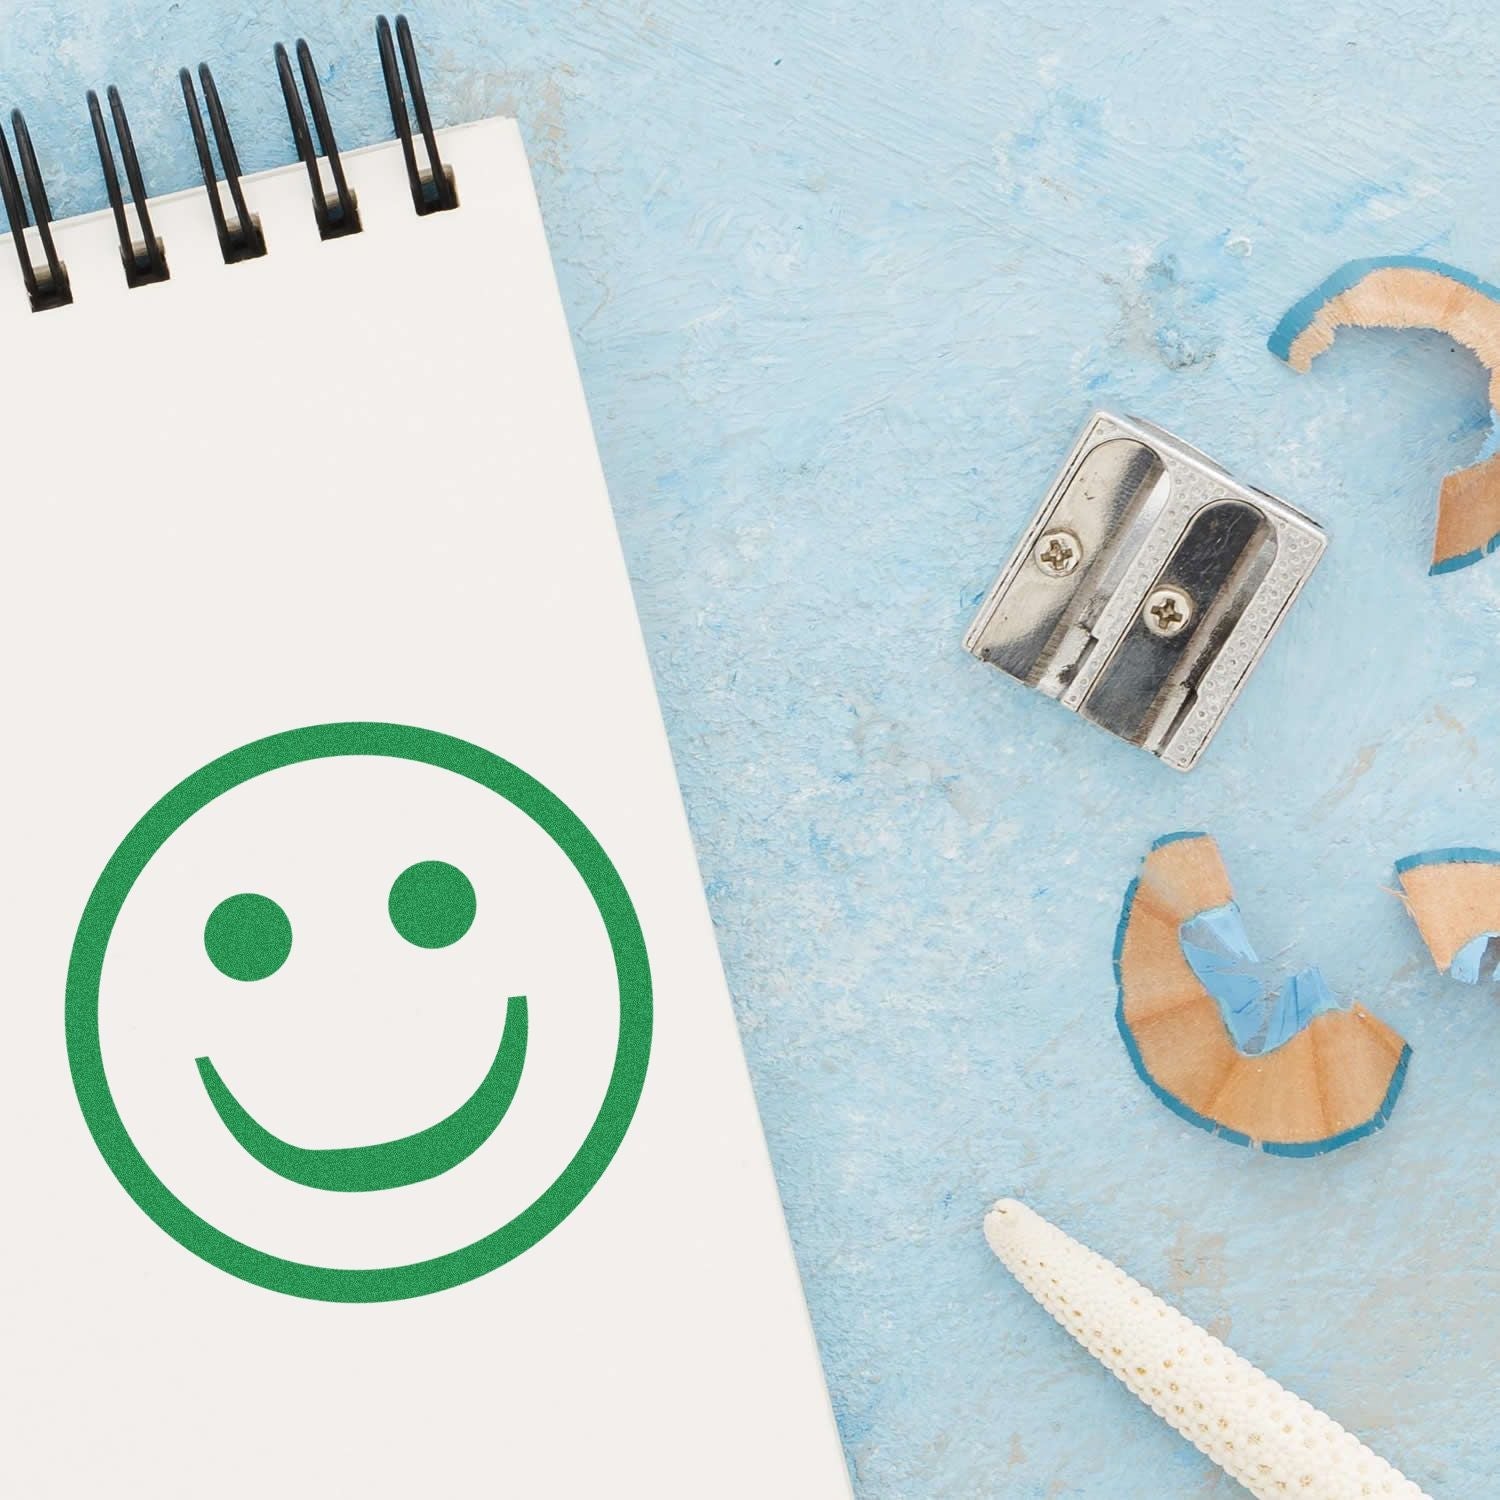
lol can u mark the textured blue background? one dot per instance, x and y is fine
(844, 278)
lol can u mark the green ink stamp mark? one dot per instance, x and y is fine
(248, 937)
(432, 904)
(412, 1158)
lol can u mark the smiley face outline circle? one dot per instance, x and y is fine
(325, 742)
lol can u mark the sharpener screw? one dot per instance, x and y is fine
(1058, 553)
(1167, 612)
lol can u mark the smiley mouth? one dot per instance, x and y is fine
(387, 1164)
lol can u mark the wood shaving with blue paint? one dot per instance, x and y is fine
(1453, 896)
(1408, 291)
(1274, 1066)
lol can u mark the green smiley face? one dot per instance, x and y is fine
(432, 905)
(249, 938)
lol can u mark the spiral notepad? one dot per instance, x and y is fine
(375, 1121)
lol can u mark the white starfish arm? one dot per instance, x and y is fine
(1273, 1442)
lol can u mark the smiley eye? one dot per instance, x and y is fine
(247, 936)
(432, 904)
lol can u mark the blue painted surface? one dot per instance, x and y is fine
(1459, 856)
(1465, 559)
(1476, 960)
(844, 279)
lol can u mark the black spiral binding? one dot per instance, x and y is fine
(337, 212)
(142, 254)
(144, 259)
(51, 288)
(240, 238)
(432, 191)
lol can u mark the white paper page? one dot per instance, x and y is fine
(354, 482)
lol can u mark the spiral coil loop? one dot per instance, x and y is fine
(240, 238)
(144, 259)
(337, 212)
(432, 190)
(143, 254)
(51, 287)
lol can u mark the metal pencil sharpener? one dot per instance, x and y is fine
(1146, 588)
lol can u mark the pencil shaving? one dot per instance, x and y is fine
(1229, 1044)
(1410, 291)
(1272, 1442)
(1453, 895)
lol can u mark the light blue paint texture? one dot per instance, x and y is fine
(1301, 314)
(844, 279)
(1261, 1012)
(1477, 959)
